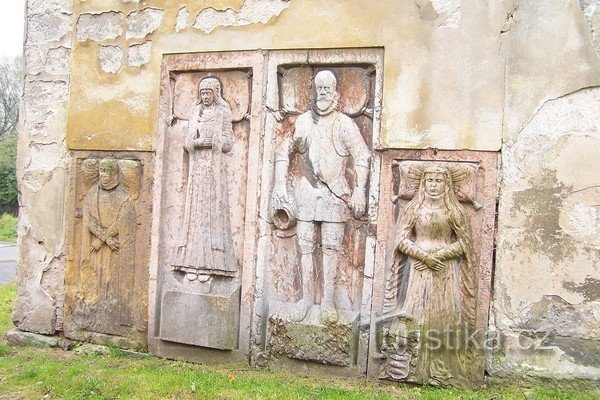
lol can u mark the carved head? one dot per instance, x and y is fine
(435, 181)
(209, 90)
(325, 92)
(109, 173)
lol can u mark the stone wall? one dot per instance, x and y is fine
(516, 78)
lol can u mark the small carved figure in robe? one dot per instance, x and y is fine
(431, 287)
(206, 247)
(108, 250)
(322, 198)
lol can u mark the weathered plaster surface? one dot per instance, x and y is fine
(98, 27)
(42, 166)
(143, 22)
(139, 54)
(546, 311)
(548, 251)
(110, 57)
(539, 69)
(442, 89)
(591, 11)
(251, 12)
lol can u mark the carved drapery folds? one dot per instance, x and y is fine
(107, 272)
(209, 127)
(435, 268)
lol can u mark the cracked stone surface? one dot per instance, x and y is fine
(58, 61)
(549, 227)
(46, 6)
(43, 28)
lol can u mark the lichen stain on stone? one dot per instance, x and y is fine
(540, 205)
(589, 289)
(585, 352)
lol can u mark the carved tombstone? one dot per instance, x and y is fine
(106, 280)
(203, 244)
(432, 289)
(316, 253)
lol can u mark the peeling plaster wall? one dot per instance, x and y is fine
(441, 89)
(520, 77)
(546, 311)
(42, 166)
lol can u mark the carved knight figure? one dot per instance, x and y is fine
(108, 249)
(431, 287)
(321, 196)
(206, 248)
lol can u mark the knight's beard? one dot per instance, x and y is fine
(322, 109)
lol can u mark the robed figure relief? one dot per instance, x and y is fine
(206, 248)
(108, 250)
(429, 306)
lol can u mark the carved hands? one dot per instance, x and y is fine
(96, 244)
(358, 202)
(435, 260)
(200, 143)
(432, 262)
(111, 241)
(280, 199)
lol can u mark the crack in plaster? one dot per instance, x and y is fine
(528, 138)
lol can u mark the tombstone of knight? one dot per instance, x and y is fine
(322, 200)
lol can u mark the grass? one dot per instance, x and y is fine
(8, 228)
(30, 373)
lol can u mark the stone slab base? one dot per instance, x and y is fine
(311, 340)
(17, 337)
(202, 319)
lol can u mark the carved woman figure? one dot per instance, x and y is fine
(206, 247)
(432, 286)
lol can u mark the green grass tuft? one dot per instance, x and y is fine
(8, 228)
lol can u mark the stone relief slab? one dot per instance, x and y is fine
(318, 209)
(107, 265)
(434, 258)
(205, 206)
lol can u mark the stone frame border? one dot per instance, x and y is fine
(341, 57)
(489, 162)
(253, 60)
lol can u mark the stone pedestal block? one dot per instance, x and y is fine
(311, 340)
(207, 320)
